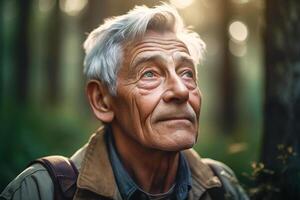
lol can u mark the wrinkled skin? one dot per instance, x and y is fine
(158, 101)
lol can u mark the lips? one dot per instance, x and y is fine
(174, 113)
(183, 116)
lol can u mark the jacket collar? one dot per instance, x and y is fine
(96, 174)
(201, 172)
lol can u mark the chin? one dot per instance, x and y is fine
(184, 145)
(177, 143)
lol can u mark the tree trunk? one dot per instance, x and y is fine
(228, 78)
(53, 55)
(1, 54)
(21, 48)
(282, 101)
(95, 12)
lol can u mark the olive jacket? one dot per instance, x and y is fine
(96, 179)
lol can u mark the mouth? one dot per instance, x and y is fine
(177, 119)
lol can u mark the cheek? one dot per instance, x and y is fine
(195, 100)
(125, 104)
(146, 102)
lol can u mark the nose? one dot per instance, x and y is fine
(176, 91)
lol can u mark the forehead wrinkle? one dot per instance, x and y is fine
(161, 43)
(162, 39)
(135, 51)
(169, 50)
(154, 41)
(155, 45)
(168, 46)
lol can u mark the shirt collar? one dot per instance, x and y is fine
(183, 179)
(95, 173)
(125, 184)
(128, 187)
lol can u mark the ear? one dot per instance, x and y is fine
(100, 101)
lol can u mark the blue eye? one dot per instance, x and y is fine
(189, 74)
(148, 74)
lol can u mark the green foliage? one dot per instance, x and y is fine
(28, 133)
(276, 182)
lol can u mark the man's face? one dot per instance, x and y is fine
(158, 101)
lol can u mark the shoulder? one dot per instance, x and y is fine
(205, 168)
(230, 184)
(33, 183)
(220, 169)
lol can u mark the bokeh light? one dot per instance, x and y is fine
(181, 4)
(72, 7)
(240, 1)
(238, 31)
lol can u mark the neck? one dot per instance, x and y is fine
(154, 171)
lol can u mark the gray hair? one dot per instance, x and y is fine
(103, 46)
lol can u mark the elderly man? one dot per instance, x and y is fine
(142, 85)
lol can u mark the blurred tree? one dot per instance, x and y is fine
(1, 54)
(228, 77)
(53, 54)
(21, 48)
(282, 100)
(95, 12)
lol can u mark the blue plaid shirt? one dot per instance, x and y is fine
(129, 190)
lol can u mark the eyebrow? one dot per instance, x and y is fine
(184, 59)
(146, 58)
(158, 58)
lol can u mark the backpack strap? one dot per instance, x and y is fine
(63, 173)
